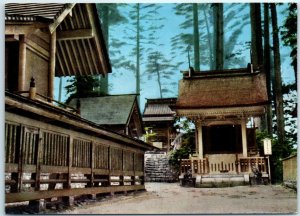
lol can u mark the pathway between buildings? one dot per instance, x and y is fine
(170, 198)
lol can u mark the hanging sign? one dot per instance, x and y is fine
(267, 146)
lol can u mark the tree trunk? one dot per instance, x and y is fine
(105, 30)
(138, 51)
(209, 41)
(277, 73)
(256, 35)
(267, 67)
(196, 38)
(60, 89)
(219, 35)
(158, 76)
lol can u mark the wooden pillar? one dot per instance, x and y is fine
(244, 137)
(200, 140)
(69, 200)
(22, 63)
(51, 72)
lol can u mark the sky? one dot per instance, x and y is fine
(123, 82)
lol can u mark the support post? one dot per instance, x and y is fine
(69, 200)
(22, 63)
(200, 140)
(51, 72)
(244, 137)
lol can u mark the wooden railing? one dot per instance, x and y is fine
(243, 165)
(40, 158)
(246, 164)
(197, 166)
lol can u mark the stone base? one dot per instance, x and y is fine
(37, 205)
(219, 180)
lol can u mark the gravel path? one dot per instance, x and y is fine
(170, 198)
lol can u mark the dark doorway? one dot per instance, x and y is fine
(11, 65)
(222, 139)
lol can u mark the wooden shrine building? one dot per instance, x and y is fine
(50, 151)
(159, 119)
(119, 113)
(221, 103)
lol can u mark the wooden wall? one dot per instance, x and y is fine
(290, 169)
(35, 147)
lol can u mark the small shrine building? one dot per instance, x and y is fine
(221, 104)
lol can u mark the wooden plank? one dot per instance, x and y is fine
(101, 171)
(38, 49)
(13, 29)
(11, 167)
(64, 58)
(116, 172)
(54, 169)
(70, 161)
(129, 173)
(61, 17)
(139, 173)
(27, 168)
(22, 64)
(98, 45)
(80, 170)
(51, 72)
(36, 195)
(75, 34)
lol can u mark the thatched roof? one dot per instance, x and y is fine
(217, 90)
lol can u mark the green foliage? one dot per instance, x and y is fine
(82, 86)
(289, 33)
(160, 67)
(279, 151)
(187, 148)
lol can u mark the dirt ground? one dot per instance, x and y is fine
(170, 198)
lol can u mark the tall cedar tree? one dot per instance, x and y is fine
(142, 18)
(267, 67)
(109, 15)
(218, 35)
(289, 35)
(161, 67)
(233, 22)
(277, 89)
(256, 35)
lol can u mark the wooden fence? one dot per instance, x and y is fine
(241, 165)
(44, 161)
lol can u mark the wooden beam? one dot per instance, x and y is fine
(9, 38)
(36, 48)
(51, 72)
(13, 29)
(61, 17)
(75, 34)
(81, 55)
(36, 195)
(22, 63)
(99, 50)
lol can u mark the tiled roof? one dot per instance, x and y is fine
(107, 110)
(159, 110)
(162, 118)
(222, 90)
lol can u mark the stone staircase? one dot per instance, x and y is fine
(157, 168)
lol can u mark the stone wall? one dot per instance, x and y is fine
(157, 168)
